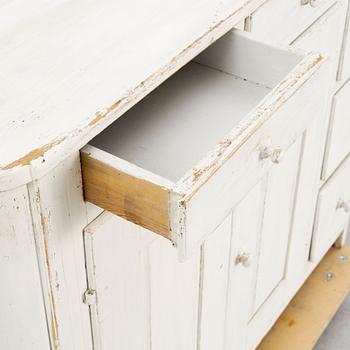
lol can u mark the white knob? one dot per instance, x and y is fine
(272, 153)
(243, 259)
(343, 205)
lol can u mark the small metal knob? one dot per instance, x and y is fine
(272, 153)
(343, 205)
(243, 259)
(305, 2)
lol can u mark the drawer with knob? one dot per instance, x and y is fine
(338, 142)
(180, 159)
(333, 211)
(280, 22)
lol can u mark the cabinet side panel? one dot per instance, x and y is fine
(59, 216)
(23, 321)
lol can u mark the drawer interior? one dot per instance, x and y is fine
(170, 130)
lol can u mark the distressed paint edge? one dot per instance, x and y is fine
(194, 179)
(177, 223)
(43, 162)
(88, 236)
(40, 231)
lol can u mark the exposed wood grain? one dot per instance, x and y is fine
(134, 199)
(313, 307)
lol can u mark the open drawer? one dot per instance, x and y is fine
(179, 160)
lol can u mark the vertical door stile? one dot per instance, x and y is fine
(294, 203)
(118, 273)
(264, 189)
(246, 227)
(91, 292)
(213, 287)
(277, 221)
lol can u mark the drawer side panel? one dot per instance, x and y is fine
(132, 198)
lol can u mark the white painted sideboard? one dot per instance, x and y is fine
(167, 181)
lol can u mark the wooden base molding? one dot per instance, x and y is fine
(313, 307)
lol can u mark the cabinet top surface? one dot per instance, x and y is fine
(70, 68)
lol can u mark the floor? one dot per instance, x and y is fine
(337, 335)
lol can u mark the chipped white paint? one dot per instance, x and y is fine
(79, 278)
(23, 321)
(146, 299)
(64, 79)
(59, 216)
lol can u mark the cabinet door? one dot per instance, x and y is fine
(140, 296)
(261, 232)
(244, 261)
(260, 252)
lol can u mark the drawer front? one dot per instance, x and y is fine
(338, 144)
(324, 35)
(333, 211)
(281, 22)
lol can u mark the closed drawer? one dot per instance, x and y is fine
(338, 144)
(178, 161)
(281, 22)
(324, 34)
(333, 211)
(344, 66)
